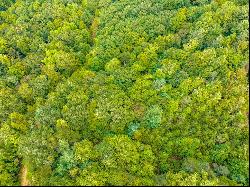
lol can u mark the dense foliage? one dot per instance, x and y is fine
(124, 92)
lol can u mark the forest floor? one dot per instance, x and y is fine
(23, 176)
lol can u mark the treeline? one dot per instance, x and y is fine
(121, 92)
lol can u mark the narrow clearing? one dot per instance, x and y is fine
(23, 177)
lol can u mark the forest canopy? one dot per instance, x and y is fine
(124, 92)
